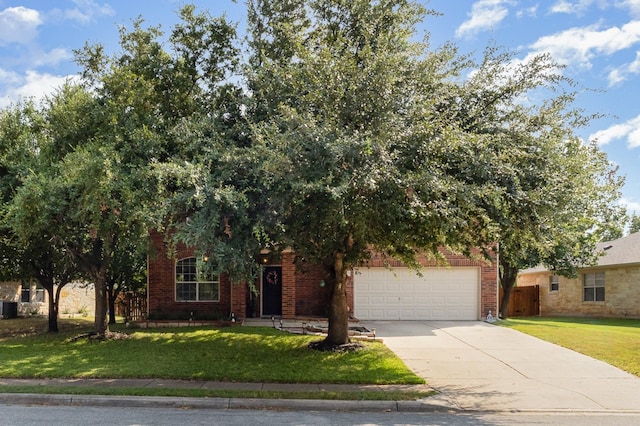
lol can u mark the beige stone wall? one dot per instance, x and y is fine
(76, 299)
(10, 292)
(622, 294)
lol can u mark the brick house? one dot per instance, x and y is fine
(609, 289)
(467, 289)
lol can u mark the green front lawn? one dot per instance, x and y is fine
(251, 354)
(614, 341)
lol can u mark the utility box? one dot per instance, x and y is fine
(8, 309)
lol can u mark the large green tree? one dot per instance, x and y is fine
(356, 154)
(371, 141)
(558, 196)
(113, 137)
(145, 96)
(342, 135)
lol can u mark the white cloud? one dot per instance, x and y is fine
(623, 72)
(632, 5)
(562, 6)
(19, 25)
(484, 15)
(53, 57)
(33, 85)
(530, 11)
(616, 76)
(629, 130)
(568, 7)
(8, 77)
(86, 11)
(579, 45)
(631, 206)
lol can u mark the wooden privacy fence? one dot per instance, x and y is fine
(132, 306)
(524, 301)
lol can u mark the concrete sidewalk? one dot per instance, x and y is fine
(479, 366)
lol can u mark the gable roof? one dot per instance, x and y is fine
(622, 251)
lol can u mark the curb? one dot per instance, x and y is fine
(220, 403)
(421, 406)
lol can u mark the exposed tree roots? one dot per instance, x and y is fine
(93, 336)
(323, 345)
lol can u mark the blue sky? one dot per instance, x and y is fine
(597, 40)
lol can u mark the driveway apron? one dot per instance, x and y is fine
(480, 366)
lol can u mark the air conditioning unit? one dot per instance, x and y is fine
(8, 309)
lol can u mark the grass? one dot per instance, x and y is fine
(21, 327)
(237, 354)
(614, 341)
(218, 393)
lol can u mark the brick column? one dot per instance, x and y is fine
(489, 290)
(288, 285)
(239, 300)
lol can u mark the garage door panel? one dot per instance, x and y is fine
(441, 293)
(439, 314)
(377, 286)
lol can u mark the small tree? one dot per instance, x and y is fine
(27, 255)
(127, 273)
(634, 223)
(80, 194)
(52, 268)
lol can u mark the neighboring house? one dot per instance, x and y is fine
(75, 298)
(465, 290)
(610, 289)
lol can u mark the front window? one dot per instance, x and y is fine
(39, 294)
(194, 284)
(554, 283)
(25, 297)
(594, 287)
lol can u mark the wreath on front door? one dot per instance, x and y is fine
(272, 277)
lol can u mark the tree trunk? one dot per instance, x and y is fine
(100, 323)
(338, 333)
(46, 281)
(508, 277)
(112, 304)
(54, 298)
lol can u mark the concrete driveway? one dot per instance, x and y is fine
(479, 366)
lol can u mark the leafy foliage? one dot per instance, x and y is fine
(337, 134)
(634, 223)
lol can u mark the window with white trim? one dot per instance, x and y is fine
(37, 293)
(193, 284)
(593, 287)
(554, 283)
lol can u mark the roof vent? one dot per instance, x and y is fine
(607, 247)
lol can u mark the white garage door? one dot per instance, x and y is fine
(400, 294)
